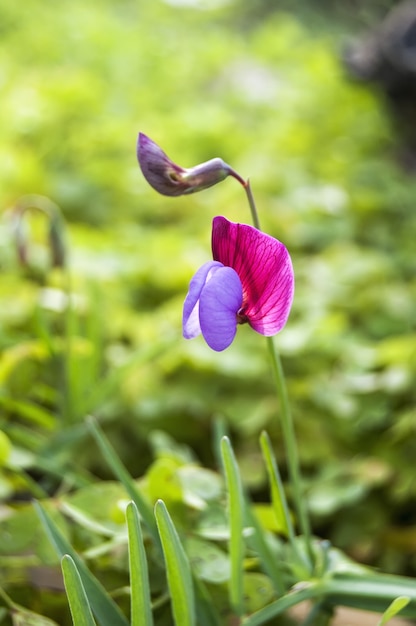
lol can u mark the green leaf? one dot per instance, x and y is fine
(280, 507)
(124, 477)
(78, 601)
(258, 591)
(199, 485)
(104, 608)
(236, 519)
(395, 607)
(208, 562)
(21, 534)
(21, 617)
(163, 482)
(372, 592)
(103, 503)
(86, 521)
(264, 615)
(177, 569)
(5, 448)
(141, 606)
(29, 412)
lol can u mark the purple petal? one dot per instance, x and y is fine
(160, 172)
(265, 270)
(219, 303)
(190, 319)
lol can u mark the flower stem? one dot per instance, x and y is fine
(288, 430)
(289, 438)
(252, 204)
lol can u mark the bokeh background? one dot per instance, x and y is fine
(265, 86)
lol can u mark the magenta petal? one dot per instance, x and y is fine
(219, 303)
(190, 319)
(265, 270)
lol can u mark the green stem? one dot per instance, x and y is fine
(372, 592)
(290, 446)
(286, 417)
(252, 204)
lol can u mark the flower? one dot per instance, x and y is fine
(170, 179)
(250, 280)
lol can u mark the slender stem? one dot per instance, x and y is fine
(290, 446)
(252, 204)
(371, 592)
(286, 417)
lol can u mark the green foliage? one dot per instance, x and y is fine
(102, 604)
(236, 515)
(78, 601)
(278, 497)
(395, 607)
(335, 581)
(178, 571)
(263, 89)
(141, 612)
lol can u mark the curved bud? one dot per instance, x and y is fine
(170, 179)
(55, 230)
(20, 237)
(57, 240)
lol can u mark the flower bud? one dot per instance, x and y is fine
(55, 229)
(170, 179)
(20, 238)
(57, 242)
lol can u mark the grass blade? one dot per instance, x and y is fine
(206, 610)
(103, 606)
(372, 592)
(177, 569)
(124, 477)
(395, 607)
(269, 563)
(77, 598)
(141, 605)
(236, 517)
(264, 615)
(280, 507)
(279, 501)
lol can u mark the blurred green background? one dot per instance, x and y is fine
(260, 85)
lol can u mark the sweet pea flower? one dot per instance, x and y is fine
(250, 280)
(170, 179)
